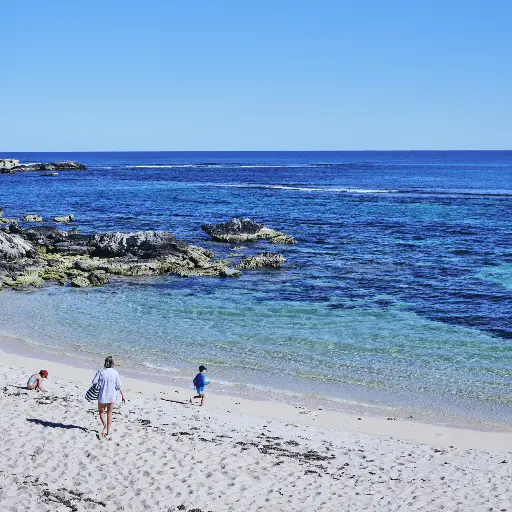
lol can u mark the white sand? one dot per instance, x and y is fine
(231, 455)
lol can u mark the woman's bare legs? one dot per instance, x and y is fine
(110, 408)
(101, 410)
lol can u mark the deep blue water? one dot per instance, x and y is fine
(399, 292)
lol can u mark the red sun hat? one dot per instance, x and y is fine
(44, 373)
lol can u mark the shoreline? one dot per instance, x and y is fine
(232, 454)
(390, 428)
(349, 404)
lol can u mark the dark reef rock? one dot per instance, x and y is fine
(32, 218)
(79, 282)
(8, 165)
(261, 260)
(45, 235)
(64, 219)
(52, 166)
(98, 278)
(47, 253)
(244, 230)
(31, 256)
(230, 272)
(14, 247)
(14, 228)
(5, 220)
(144, 244)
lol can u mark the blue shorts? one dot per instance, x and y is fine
(200, 391)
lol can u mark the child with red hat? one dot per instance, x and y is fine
(35, 381)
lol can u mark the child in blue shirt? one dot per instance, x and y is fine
(199, 383)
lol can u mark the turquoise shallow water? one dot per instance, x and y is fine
(501, 274)
(397, 295)
(373, 357)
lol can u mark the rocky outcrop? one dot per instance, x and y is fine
(14, 248)
(262, 260)
(23, 280)
(32, 218)
(80, 282)
(13, 228)
(98, 278)
(45, 235)
(8, 165)
(244, 230)
(64, 219)
(230, 272)
(143, 244)
(5, 220)
(36, 254)
(46, 253)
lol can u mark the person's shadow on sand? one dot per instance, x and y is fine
(54, 425)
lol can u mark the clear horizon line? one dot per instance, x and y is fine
(250, 150)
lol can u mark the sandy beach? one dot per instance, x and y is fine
(233, 454)
(310, 202)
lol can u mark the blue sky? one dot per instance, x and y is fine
(255, 75)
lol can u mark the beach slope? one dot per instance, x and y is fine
(167, 455)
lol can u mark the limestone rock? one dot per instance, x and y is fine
(80, 282)
(5, 220)
(64, 219)
(282, 239)
(8, 164)
(143, 244)
(98, 278)
(263, 259)
(45, 235)
(22, 280)
(14, 247)
(244, 230)
(32, 218)
(88, 265)
(52, 166)
(230, 272)
(132, 268)
(46, 253)
(13, 228)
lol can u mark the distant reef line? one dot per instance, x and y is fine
(11, 166)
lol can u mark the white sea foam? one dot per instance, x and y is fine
(160, 166)
(268, 166)
(257, 387)
(346, 190)
(358, 403)
(225, 164)
(159, 367)
(302, 395)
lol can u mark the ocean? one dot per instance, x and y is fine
(396, 300)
